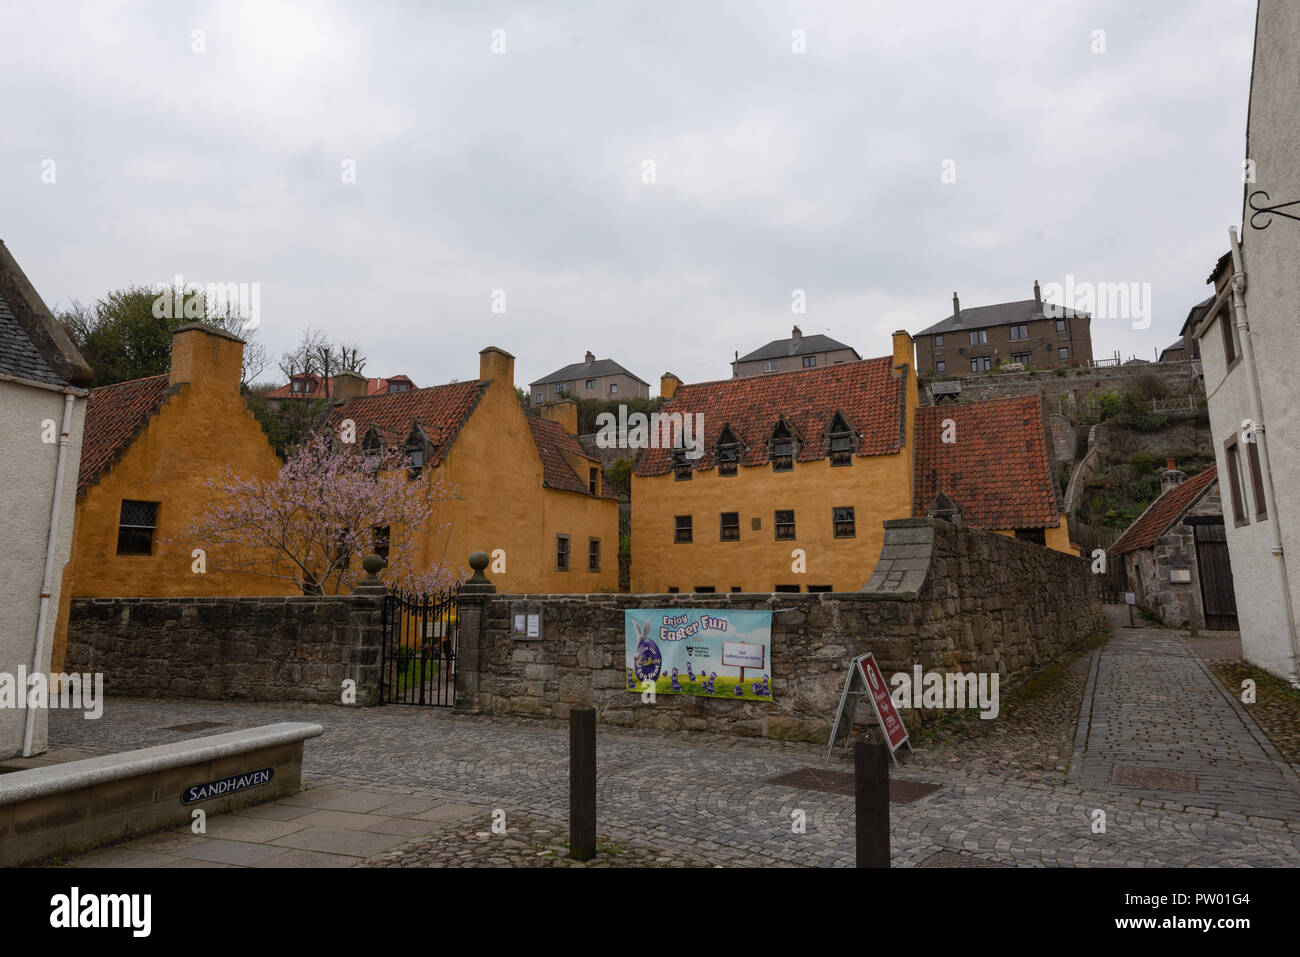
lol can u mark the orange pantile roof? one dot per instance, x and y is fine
(114, 416)
(866, 392)
(552, 442)
(999, 469)
(441, 409)
(1162, 513)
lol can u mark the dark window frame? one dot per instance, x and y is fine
(593, 554)
(778, 525)
(593, 479)
(563, 553)
(1232, 455)
(941, 366)
(688, 527)
(837, 521)
(723, 527)
(126, 533)
(1023, 328)
(1256, 480)
(810, 362)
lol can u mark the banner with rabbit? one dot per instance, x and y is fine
(718, 654)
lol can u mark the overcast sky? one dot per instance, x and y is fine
(524, 170)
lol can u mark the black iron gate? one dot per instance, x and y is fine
(1217, 596)
(418, 663)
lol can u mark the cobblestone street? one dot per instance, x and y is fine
(1146, 702)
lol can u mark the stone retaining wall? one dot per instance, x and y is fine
(260, 649)
(947, 598)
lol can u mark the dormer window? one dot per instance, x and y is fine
(728, 452)
(841, 441)
(416, 449)
(301, 385)
(783, 448)
(681, 465)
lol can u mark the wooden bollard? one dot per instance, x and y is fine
(582, 784)
(871, 784)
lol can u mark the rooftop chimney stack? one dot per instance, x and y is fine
(795, 333)
(590, 358)
(956, 308)
(1038, 299)
(1171, 477)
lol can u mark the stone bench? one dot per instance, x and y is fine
(79, 805)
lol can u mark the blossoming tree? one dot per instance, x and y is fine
(325, 510)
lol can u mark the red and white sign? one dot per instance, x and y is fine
(878, 692)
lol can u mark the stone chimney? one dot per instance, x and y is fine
(207, 357)
(563, 412)
(590, 358)
(668, 384)
(347, 385)
(904, 355)
(497, 364)
(795, 333)
(1171, 477)
(1038, 299)
(956, 308)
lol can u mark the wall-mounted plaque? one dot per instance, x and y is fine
(526, 620)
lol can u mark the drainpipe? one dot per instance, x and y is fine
(1257, 413)
(47, 582)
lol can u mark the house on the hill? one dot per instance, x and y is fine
(151, 445)
(42, 408)
(993, 460)
(795, 354)
(592, 378)
(982, 338)
(797, 473)
(1175, 554)
(341, 386)
(528, 494)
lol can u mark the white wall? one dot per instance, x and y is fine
(27, 467)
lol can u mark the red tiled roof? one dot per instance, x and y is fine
(114, 414)
(441, 409)
(999, 469)
(866, 392)
(1162, 513)
(552, 442)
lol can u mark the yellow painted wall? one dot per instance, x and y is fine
(1057, 539)
(496, 467)
(196, 434)
(878, 487)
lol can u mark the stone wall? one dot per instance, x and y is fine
(943, 597)
(259, 649)
(1062, 393)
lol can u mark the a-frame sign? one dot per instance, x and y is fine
(866, 680)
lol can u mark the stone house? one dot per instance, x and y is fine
(795, 354)
(592, 378)
(151, 445)
(527, 492)
(341, 386)
(42, 409)
(1174, 556)
(797, 473)
(977, 340)
(1247, 341)
(993, 460)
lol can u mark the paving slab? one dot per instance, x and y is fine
(243, 853)
(337, 840)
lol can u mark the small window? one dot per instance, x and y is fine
(1256, 480)
(1231, 339)
(539, 397)
(938, 342)
(1234, 481)
(1036, 535)
(942, 366)
(1060, 325)
(784, 523)
(809, 361)
(593, 480)
(1019, 332)
(593, 554)
(844, 522)
(817, 588)
(1063, 353)
(979, 337)
(769, 365)
(136, 527)
(561, 553)
(727, 452)
(704, 589)
(1024, 357)
(979, 364)
(591, 384)
(730, 526)
(382, 538)
(682, 471)
(787, 588)
(613, 388)
(682, 530)
(841, 441)
(735, 588)
(672, 590)
(782, 450)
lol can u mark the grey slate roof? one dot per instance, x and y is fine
(588, 370)
(1194, 315)
(803, 346)
(982, 317)
(19, 355)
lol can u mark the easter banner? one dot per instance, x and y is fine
(718, 654)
